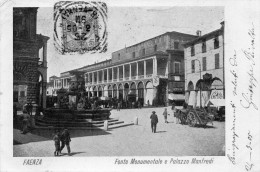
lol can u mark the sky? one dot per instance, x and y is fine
(128, 26)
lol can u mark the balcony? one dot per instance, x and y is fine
(120, 79)
(149, 76)
(133, 77)
(141, 77)
(114, 80)
(126, 78)
(109, 80)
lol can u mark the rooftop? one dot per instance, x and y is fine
(166, 33)
(204, 37)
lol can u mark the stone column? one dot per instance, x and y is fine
(97, 76)
(118, 73)
(136, 70)
(130, 71)
(167, 68)
(44, 85)
(123, 72)
(144, 68)
(117, 93)
(155, 66)
(88, 78)
(93, 78)
(45, 54)
(112, 74)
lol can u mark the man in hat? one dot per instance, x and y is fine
(154, 121)
(65, 140)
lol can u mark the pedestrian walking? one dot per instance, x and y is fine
(25, 121)
(139, 105)
(165, 115)
(56, 139)
(133, 105)
(174, 113)
(118, 106)
(154, 121)
(65, 140)
(148, 103)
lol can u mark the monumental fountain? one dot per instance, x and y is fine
(72, 107)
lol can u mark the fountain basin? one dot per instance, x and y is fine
(60, 113)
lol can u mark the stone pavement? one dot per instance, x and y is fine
(136, 140)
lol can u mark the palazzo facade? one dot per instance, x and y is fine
(148, 71)
(204, 68)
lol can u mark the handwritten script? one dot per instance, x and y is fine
(249, 54)
(249, 163)
(244, 98)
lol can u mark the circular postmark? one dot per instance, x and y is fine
(80, 27)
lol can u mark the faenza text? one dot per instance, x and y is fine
(32, 162)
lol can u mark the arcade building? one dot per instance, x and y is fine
(150, 71)
(29, 59)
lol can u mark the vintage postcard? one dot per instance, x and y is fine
(130, 86)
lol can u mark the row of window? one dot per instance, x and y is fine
(204, 63)
(204, 48)
(176, 46)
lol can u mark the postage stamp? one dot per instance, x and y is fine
(80, 27)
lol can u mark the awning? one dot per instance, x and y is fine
(172, 96)
(216, 102)
(104, 98)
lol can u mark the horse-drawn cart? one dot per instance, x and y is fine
(193, 117)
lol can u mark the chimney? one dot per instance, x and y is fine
(198, 33)
(222, 24)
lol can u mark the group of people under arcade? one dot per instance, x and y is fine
(23, 121)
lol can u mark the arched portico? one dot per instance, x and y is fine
(100, 91)
(120, 91)
(140, 92)
(148, 100)
(115, 91)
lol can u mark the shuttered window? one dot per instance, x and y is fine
(204, 64)
(216, 61)
(192, 51)
(193, 66)
(177, 67)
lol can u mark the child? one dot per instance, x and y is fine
(56, 143)
(165, 115)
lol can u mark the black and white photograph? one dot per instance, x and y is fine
(113, 86)
(132, 100)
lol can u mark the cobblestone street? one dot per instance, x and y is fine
(135, 140)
